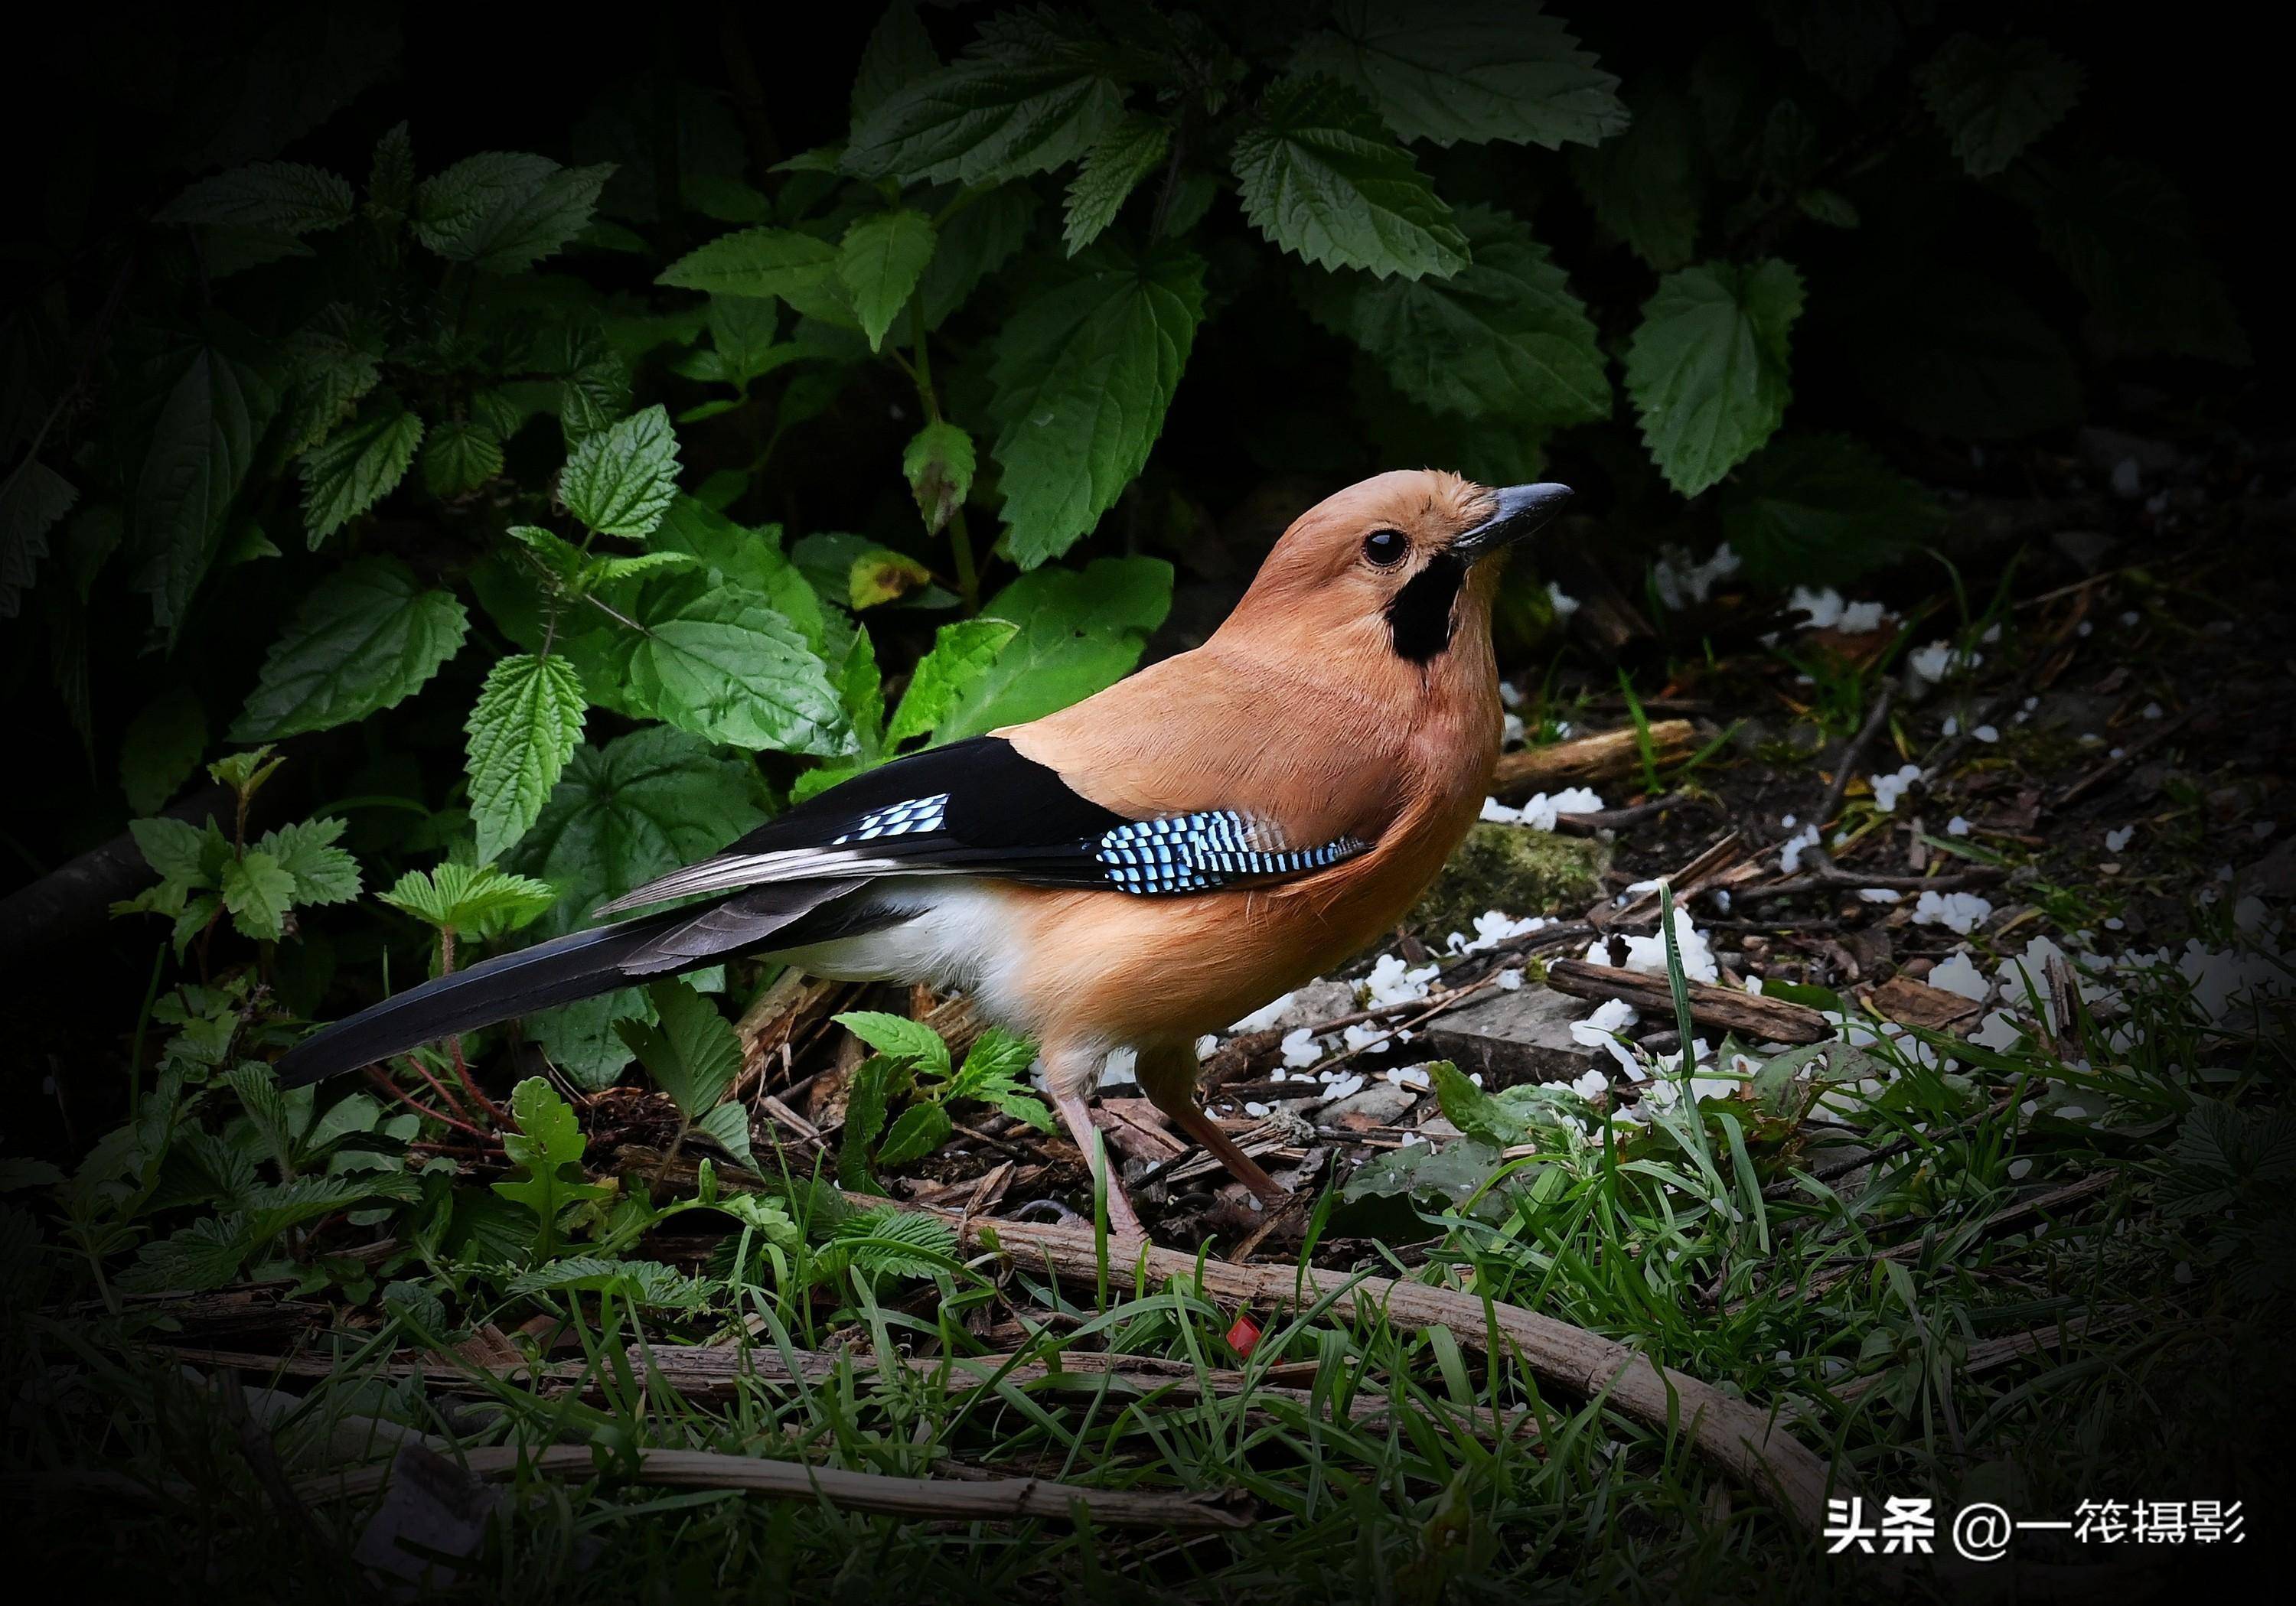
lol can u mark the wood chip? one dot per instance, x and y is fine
(1911, 1003)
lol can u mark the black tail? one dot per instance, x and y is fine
(581, 965)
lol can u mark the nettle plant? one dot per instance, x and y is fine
(511, 430)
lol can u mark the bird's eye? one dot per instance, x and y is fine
(1385, 547)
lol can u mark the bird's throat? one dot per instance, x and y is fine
(1424, 615)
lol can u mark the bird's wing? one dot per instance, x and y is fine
(981, 807)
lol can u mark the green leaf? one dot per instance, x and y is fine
(899, 1038)
(321, 872)
(692, 1054)
(1110, 171)
(32, 499)
(1034, 91)
(201, 452)
(1079, 631)
(1504, 339)
(883, 256)
(274, 197)
(938, 463)
(460, 455)
(471, 897)
(1645, 185)
(962, 653)
(995, 1055)
(258, 891)
(728, 1127)
(1468, 69)
(619, 480)
(1473, 1111)
(1083, 376)
(899, 52)
(390, 174)
(865, 1118)
(357, 466)
(755, 262)
(974, 244)
(525, 725)
(642, 805)
(861, 688)
(548, 1140)
(646, 1283)
(504, 211)
(1994, 99)
(176, 849)
(161, 747)
(1811, 510)
(365, 639)
(752, 558)
(1707, 369)
(922, 1128)
(2121, 231)
(1319, 176)
(720, 661)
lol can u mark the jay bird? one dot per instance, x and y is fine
(1136, 871)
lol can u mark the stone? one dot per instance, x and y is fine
(1514, 870)
(1512, 1037)
(1376, 1104)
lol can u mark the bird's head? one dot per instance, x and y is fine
(1404, 563)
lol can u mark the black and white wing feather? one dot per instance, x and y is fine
(981, 807)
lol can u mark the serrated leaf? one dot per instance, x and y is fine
(1643, 184)
(1079, 631)
(922, 1128)
(619, 480)
(720, 661)
(1468, 69)
(504, 211)
(1083, 376)
(1034, 91)
(996, 1054)
(368, 637)
(752, 558)
(32, 499)
(755, 262)
(1504, 339)
(460, 455)
(1319, 176)
(690, 1051)
(201, 448)
(1993, 99)
(728, 1127)
(471, 897)
(357, 466)
(322, 872)
(974, 244)
(643, 805)
(898, 1037)
(962, 653)
(525, 725)
(276, 197)
(1709, 369)
(883, 256)
(258, 891)
(899, 53)
(390, 175)
(1812, 510)
(938, 463)
(161, 747)
(547, 1141)
(174, 848)
(1110, 171)
(647, 1282)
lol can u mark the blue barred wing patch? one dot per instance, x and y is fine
(917, 816)
(1198, 852)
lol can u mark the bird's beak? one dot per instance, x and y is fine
(1523, 510)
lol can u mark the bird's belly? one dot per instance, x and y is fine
(952, 933)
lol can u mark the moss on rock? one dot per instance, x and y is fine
(1514, 870)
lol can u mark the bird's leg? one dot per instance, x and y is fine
(1069, 1077)
(1167, 1076)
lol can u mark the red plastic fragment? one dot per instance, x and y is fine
(1243, 1338)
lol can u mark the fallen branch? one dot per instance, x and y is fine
(1582, 760)
(957, 1499)
(2128, 755)
(1745, 1440)
(1851, 754)
(1771, 1019)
